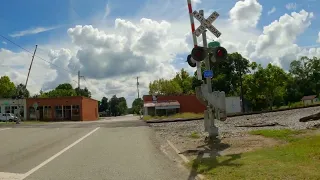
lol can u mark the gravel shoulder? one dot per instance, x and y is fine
(233, 139)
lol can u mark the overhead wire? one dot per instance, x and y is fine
(7, 39)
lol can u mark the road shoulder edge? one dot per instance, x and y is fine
(184, 158)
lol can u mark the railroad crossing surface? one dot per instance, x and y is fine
(123, 148)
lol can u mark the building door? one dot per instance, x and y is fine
(40, 110)
(67, 112)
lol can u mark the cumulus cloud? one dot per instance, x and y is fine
(278, 39)
(271, 11)
(246, 13)
(33, 31)
(111, 58)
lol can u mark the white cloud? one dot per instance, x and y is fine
(278, 39)
(318, 40)
(33, 31)
(272, 10)
(246, 13)
(112, 57)
(107, 11)
(3, 42)
(291, 6)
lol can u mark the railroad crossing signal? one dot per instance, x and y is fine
(207, 24)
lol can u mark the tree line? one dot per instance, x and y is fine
(261, 87)
(118, 106)
(9, 90)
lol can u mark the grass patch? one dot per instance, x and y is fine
(175, 116)
(194, 135)
(282, 134)
(296, 160)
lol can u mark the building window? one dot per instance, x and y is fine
(75, 110)
(13, 109)
(32, 113)
(7, 109)
(47, 112)
(58, 112)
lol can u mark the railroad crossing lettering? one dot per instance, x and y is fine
(206, 24)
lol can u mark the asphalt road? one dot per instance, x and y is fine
(121, 148)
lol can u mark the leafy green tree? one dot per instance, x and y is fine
(137, 105)
(122, 106)
(266, 86)
(83, 92)
(7, 88)
(226, 74)
(104, 105)
(184, 80)
(165, 87)
(113, 106)
(65, 86)
(22, 91)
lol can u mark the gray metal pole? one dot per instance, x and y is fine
(207, 63)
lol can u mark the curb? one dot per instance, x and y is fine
(173, 120)
(184, 158)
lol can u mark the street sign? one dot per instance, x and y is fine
(35, 105)
(208, 74)
(206, 24)
(213, 44)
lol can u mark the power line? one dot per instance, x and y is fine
(35, 55)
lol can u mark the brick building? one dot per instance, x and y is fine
(172, 104)
(75, 108)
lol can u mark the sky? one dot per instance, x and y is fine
(113, 42)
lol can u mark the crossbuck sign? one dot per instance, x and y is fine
(206, 24)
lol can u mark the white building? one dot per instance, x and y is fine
(308, 100)
(12, 106)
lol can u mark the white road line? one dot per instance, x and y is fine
(5, 129)
(58, 154)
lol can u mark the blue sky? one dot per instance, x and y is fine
(22, 15)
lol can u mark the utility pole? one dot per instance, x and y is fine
(79, 77)
(34, 53)
(138, 87)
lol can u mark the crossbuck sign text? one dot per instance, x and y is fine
(206, 24)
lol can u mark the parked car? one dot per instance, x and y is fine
(8, 117)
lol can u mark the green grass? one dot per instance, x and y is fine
(282, 134)
(296, 160)
(194, 135)
(175, 116)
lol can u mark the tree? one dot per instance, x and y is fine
(165, 87)
(113, 106)
(62, 90)
(83, 92)
(227, 74)
(137, 105)
(266, 85)
(122, 106)
(65, 86)
(22, 91)
(104, 105)
(184, 80)
(7, 88)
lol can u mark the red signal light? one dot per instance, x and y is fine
(220, 53)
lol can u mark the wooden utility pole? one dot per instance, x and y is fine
(138, 87)
(34, 53)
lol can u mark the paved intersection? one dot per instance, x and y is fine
(111, 149)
